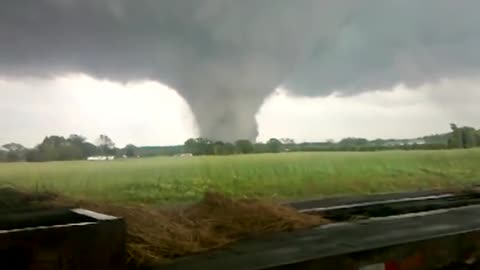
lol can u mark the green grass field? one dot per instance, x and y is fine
(282, 176)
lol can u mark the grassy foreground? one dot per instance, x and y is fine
(283, 176)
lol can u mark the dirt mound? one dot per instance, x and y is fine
(158, 235)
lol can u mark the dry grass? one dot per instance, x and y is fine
(158, 235)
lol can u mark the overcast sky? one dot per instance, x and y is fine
(149, 113)
(370, 68)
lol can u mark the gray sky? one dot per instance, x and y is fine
(372, 68)
(149, 113)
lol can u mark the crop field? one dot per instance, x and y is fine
(278, 176)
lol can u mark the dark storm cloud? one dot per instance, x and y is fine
(225, 56)
(390, 42)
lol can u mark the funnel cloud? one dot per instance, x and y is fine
(225, 57)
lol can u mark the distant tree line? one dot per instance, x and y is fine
(202, 146)
(464, 137)
(58, 148)
(76, 147)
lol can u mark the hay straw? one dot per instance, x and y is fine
(159, 235)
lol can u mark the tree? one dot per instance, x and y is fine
(352, 141)
(51, 149)
(218, 148)
(191, 146)
(69, 151)
(206, 146)
(222, 148)
(90, 149)
(15, 152)
(260, 148)
(469, 137)
(85, 148)
(13, 156)
(130, 150)
(274, 145)
(244, 146)
(106, 145)
(465, 137)
(228, 149)
(14, 147)
(75, 147)
(33, 155)
(3, 156)
(199, 146)
(78, 147)
(76, 139)
(477, 133)
(456, 138)
(54, 140)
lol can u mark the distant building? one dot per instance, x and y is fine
(405, 142)
(184, 155)
(101, 158)
(417, 141)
